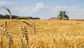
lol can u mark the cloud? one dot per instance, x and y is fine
(28, 10)
(37, 7)
(2, 2)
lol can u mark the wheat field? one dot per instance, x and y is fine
(41, 34)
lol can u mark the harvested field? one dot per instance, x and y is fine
(41, 34)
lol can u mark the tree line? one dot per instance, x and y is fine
(16, 17)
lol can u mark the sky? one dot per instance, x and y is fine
(44, 9)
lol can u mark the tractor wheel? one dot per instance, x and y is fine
(66, 18)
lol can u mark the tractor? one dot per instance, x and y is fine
(62, 16)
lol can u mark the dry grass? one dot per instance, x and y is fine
(47, 34)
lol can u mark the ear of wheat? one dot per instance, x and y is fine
(9, 11)
(31, 25)
(24, 38)
(1, 39)
(7, 34)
